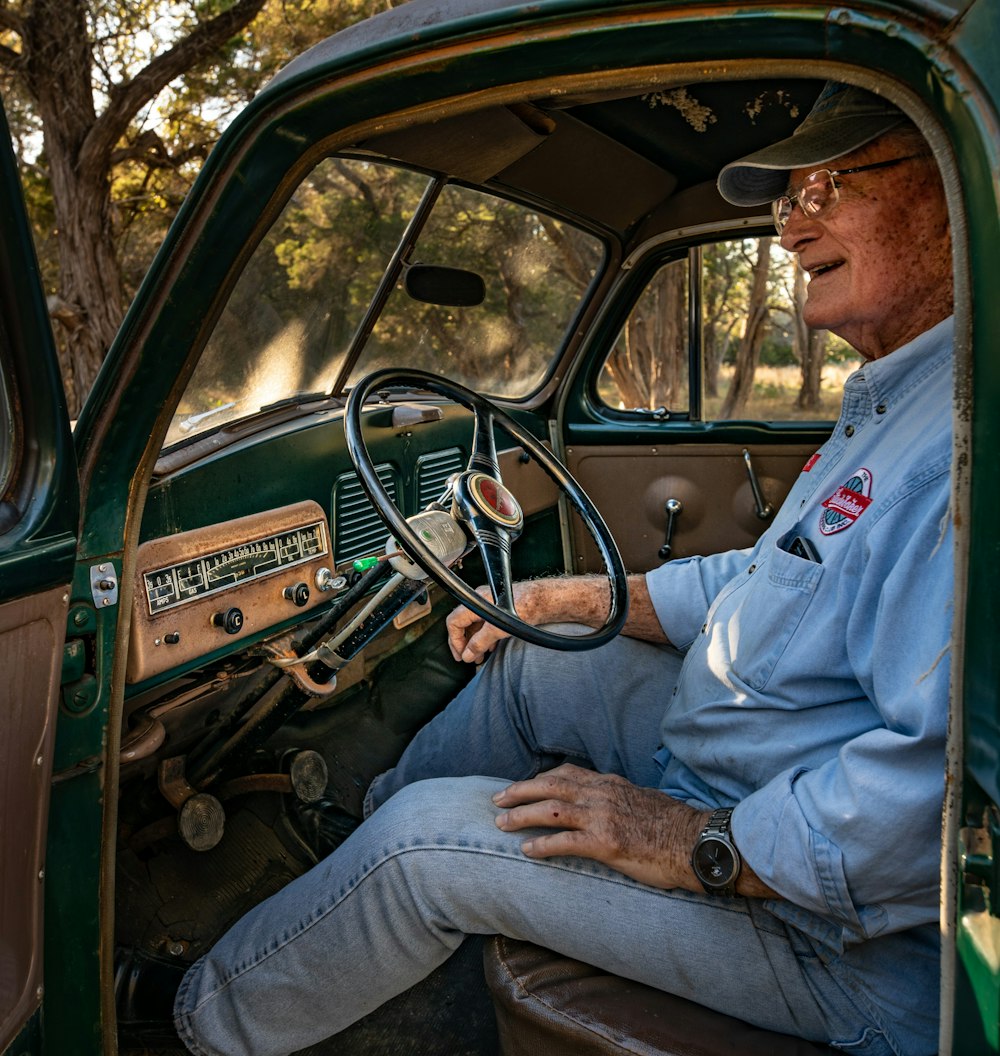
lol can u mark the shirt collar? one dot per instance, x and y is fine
(891, 376)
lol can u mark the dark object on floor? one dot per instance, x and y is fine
(549, 1003)
(145, 986)
(324, 825)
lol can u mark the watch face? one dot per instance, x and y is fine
(714, 862)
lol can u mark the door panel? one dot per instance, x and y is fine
(631, 484)
(31, 638)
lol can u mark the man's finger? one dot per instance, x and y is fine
(548, 813)
(564, 782)
(559, 844)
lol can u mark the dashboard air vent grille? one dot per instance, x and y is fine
(433, 471)
(357, 528)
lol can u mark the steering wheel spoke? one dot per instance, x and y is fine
(488, 511)
(484, 450)
(494, 549)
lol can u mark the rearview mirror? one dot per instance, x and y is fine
(433, 284)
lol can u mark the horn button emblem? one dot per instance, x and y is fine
(494, 500)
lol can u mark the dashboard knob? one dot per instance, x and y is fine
(231, 621)
(298, 594)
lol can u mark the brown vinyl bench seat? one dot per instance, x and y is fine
(550, 1005)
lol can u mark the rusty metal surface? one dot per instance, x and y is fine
(260, 600)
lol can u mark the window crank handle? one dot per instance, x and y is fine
(673, 508)
(762, 507)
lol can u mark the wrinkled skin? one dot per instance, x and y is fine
(890, 241)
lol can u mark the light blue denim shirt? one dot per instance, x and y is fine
(814, 693)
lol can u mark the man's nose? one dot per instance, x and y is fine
(798, 229)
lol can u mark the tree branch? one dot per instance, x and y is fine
(153, 152)
(128, 98)
(13, 23)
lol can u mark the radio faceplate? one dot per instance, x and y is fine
(200, 590)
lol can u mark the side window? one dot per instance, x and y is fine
(757, 358)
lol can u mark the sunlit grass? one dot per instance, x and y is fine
(776, 389)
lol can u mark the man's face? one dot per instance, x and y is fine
(879, 261)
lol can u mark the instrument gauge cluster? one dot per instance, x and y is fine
(200, 590)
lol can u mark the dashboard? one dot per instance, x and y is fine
(204, 589)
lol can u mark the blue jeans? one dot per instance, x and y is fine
(429, 867)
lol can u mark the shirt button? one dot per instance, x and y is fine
(704, 627)
(751, 570)
(881, 409)
(849, 431)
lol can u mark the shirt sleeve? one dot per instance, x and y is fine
(682, 591)
(857, 839)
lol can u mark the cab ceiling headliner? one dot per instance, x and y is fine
(610, 160)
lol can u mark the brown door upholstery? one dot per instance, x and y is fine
(550, 1005)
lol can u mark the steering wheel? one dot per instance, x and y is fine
(486, 509)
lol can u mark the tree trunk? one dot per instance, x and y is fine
(748, 353)
(55, 65)
(809, 348)
(649, 361)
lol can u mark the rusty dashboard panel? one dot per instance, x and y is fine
(201, 590)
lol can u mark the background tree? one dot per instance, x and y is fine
(748, 351)
(725, 271)
(649, 363)
(113, 104)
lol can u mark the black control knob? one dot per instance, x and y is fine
(172, 638)
(298, 594)
(231, 621)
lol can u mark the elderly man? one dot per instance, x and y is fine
(738, 800)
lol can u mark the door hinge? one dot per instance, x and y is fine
(979, 858)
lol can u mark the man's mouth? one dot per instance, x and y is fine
(823, 269)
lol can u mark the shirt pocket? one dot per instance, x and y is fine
(778, 593)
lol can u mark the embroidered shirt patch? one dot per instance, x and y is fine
(847, 503)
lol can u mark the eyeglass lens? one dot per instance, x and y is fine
(818, 191)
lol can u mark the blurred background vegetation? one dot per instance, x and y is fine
(114, 104)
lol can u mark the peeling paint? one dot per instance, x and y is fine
(779, 98)
(699, 117)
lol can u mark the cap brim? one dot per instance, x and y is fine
(761, 177)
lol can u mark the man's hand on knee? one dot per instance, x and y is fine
(641, 832)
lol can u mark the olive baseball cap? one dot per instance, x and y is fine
(842, 119)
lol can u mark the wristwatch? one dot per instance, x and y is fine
(715, 859)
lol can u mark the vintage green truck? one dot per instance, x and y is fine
(519, 196)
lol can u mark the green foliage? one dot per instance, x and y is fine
(164, 147)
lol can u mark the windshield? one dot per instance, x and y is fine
(323, 300)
